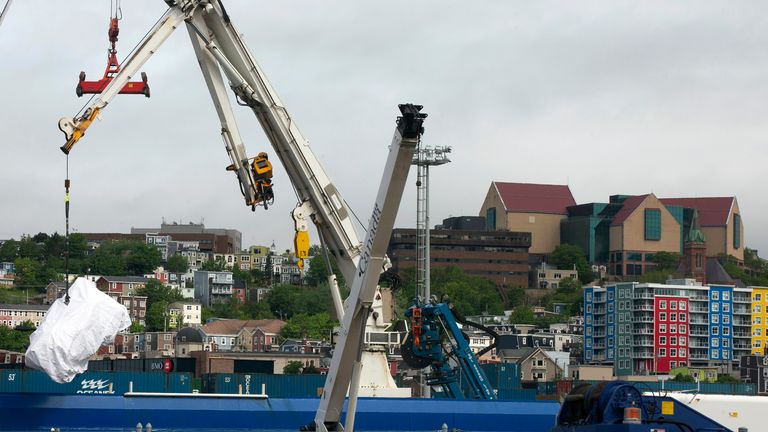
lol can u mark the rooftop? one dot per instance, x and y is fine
(713, 211)
(535, 198)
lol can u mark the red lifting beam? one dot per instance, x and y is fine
(113, 67)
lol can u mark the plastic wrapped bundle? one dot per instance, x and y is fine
(71, 333)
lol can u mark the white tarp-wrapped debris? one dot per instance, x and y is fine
(71, 333)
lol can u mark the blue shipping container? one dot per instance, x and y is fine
(95, 383)
(10, 380)
(517, 394)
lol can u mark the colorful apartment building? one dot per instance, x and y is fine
(654, 328)
(759, 320)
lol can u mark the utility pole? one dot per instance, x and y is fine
(423, 159)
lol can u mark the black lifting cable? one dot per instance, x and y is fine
(66, 233)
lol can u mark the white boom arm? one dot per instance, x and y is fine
(217, 43)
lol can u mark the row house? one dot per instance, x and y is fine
(655, 328)
(11, 357)
(136, 306)
(184, 313)
(212, 287)
(7, 278)
(159, 274)
(12, 315)
(243, 335)
(159, 344)
(123, 285)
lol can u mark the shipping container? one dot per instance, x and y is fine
(184, 364)
(97, 383)
(517, 394)
(128, 365)
(100, 366)
(221, 383)
(10, 380)
(502, 375)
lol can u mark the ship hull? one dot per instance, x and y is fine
(26, 411)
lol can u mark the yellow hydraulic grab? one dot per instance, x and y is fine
(261, 168)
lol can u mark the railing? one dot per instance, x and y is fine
(599, 311)
(742, 334)
(697, 345)
(598, 346)
(742, 311)
(643, 307)
(698, 298)
(644, 330)
(600, 322)
(699, 333)
(698, 357)
(643, 296)
(698, 321)
(599, 299)
(642, 319)
(642, 342)
(699, 309)
(741, 299)
(643, 354)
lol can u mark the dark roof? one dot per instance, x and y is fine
(29, 307)
(233, 326)
(630, 204)
(713, 211)
(517, 354)
(535, 198)
(130, 279)
(189, 334)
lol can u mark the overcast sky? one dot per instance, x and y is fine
(609, 97)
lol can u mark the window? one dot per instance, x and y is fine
(715, 295)
(758, 343)
(758, 297)
(662, 340)
(758, 332)
(758, 308)
(673, 340)
(662, 352)
(758, 320)
(716, 319)
(715, 354)
(610, 295)
(589, 296)
(726, 343)
(662, 328)
(682, 317)
(490, 219)
(726, 319)
(716, 342)
(726, 295)
(682, 329)
(662, 304)
(589, 308)
(673, 305)
(682, 305)
(726, 331)
(673, 328)
(673, 352)
(726, 307)
(682, 354)
(725, 354)
(672, 365)
(736, 231)
(653, 224)
(715, 307)
(715, 331)
(682, 340)
(663, 316)
(673, 317)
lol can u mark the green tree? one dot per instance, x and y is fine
(666, 260)
(726, 379)
(28, 248)
(293, 367)
(317, 274)
(213, 265)
(137, 328)
(157, 316)
(107, 259)
(9, 251)
(142, 258)
(26, 273)
(14, 340)
(567, 256)
(522, 315)
(302, 325)
(157, 292)
(310, 369)
(680, 377)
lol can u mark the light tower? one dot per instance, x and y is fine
(423, 159)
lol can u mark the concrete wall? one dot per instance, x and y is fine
(544, 229)
(493, 200)
(730, 250)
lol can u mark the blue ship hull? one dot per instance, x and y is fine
(29, 411)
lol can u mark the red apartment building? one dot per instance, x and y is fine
(670, 333)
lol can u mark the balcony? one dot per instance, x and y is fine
(600, 322)
(643, 296)
(742, 311)
(699, 333)
(643, 330)
(642, 342)
(697, 356)
(643, 354)
(742, 334)
(642, 319)
(742, 299)
(742, 322)
(698, 321)
(599, 299)
(643, 307)
(600, 334)
(742, 346)
(598, 346)
(693, 344)
(702, 298)
(599, 311)
(699, 309)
